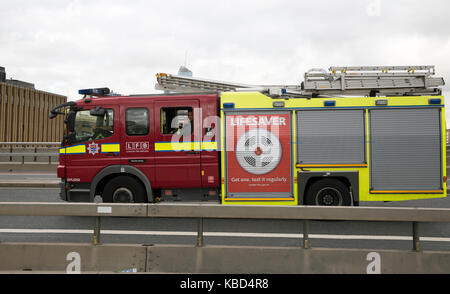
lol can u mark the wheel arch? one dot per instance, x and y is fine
(112, 171)
(306, 179)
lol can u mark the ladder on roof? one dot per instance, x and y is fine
(179, 83)
(349, 81)
(371, 80)
(184, 84)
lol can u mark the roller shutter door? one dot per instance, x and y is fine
(330, 136)
(405, 149)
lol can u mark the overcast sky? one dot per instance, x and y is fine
(65, 45)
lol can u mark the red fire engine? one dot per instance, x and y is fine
(242, 144)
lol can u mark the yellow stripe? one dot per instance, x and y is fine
(252, 199)
(177, 146)
(78, 149)
(209, 145)
(252, 100)
(185, 146)
(331, 165)
(407, 192)
(110, 147)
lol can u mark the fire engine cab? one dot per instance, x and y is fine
(344, 136)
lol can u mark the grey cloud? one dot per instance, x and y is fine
(65, 45)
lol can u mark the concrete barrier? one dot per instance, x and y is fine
(88, 258)
(209, 210)
(29, 184)
(73, 209)
(285, 260)
(71, 257)
(29, 152)
(222, 259)
(28, 167)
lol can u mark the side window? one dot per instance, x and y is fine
(137, 121)
(176, 119)
(89, 127)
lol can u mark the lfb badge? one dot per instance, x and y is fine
(93, 148)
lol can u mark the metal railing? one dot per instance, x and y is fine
(29, 149)
(415, 216)
(12, 148)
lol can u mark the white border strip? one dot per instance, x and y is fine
(222, 234)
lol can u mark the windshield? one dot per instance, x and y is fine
(89, 127)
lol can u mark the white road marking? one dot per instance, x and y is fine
(223, 234)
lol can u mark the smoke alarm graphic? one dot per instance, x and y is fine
(258, 151)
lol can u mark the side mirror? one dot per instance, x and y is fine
(97, 111)
(54, 112)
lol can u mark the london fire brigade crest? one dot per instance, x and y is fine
(93, 148)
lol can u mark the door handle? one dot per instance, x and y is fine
(136, 160)
(192, 152)
(112, 154)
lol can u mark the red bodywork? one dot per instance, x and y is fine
(168, 169)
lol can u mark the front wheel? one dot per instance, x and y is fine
(124, 189)
(328, 192)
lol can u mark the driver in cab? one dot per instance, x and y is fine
(101, 132)
(187, 128)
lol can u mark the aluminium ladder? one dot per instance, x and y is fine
(348, 81)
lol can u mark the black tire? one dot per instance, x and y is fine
(328, 192)
(124, 189)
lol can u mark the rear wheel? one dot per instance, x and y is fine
(124, 189)
(328, 192)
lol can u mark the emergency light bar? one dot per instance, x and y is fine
(94, 92)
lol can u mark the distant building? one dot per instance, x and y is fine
(2, 74)
(13, 82)
(24, 112)
(184, 71)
